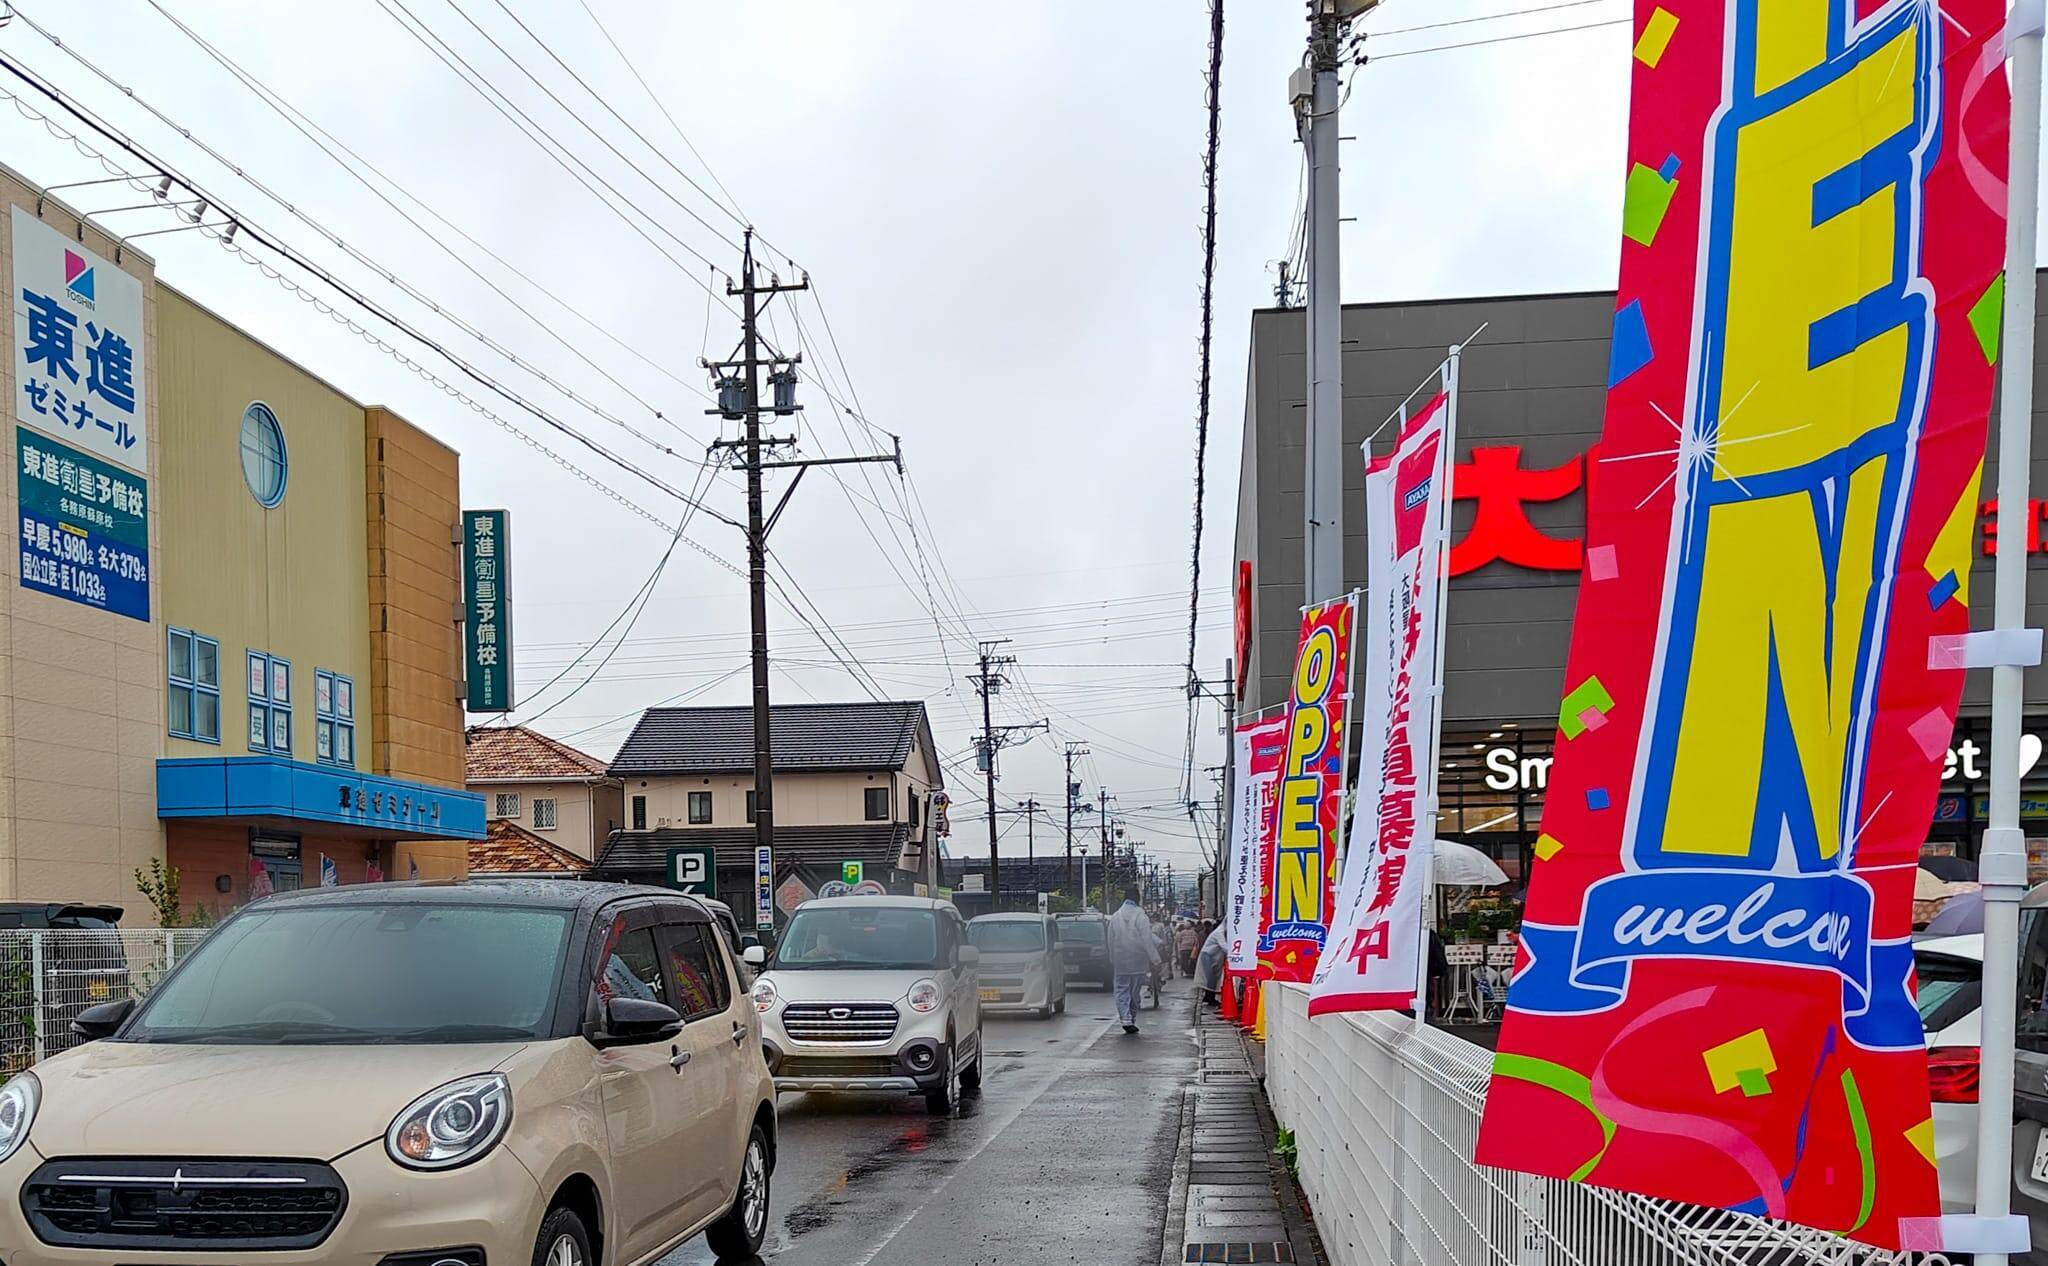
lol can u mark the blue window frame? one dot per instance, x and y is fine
(270, 704)
(264, 465)
(194, 691)
(334, 712)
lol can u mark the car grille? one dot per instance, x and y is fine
(838, 1066)
(204, 1206)
(839, 1021)
(1012, 983)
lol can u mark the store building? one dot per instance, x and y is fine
(226, 639)
(545, 787)
(1533, 388)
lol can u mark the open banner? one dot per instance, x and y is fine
(1310, 795)
(1375, 961)
(1258, 747)
(1713, 1001)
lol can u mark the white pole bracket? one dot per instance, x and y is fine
(2027, 17)
(1986, 648)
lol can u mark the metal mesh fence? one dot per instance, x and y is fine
(1385, 1116)
(47, 978)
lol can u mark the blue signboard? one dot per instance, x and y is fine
(84, 527)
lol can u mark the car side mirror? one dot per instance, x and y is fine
(634, 1021)
(969, 955)
(754, 956)
(104, 1020)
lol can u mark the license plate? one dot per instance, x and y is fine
(991, 995)
(2040, 1169)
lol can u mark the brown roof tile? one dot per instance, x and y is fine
(510, 849)
(499, 753)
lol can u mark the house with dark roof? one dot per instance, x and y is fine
(544, 787)
(853, 782)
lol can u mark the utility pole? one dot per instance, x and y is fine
(1073, 790)
(1102, 817)
(994, 738)
(739, 399)
(1313, 91)
(1031, 839)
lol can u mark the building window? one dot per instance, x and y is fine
(270, 704)
(505, 805)
(543, 814)
(639, 813)
(750, 806)
(700, 808)
(334, 709)
(194, 686)
(878, 804)
(263, 459)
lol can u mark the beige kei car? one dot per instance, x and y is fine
(466, 1074)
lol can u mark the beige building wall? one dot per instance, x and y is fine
(585, 811)
(826, 799)
(81, 690)
(414, 504)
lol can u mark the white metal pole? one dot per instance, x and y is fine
(1426, 821)
(2003, 861)
(1323, 452)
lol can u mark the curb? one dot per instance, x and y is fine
(1172, 1236)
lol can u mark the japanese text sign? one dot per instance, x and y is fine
(487, 599)
(764, 887)
(78, 349)
(1713, 1001)
(1310, 795)
(84, 527)
(1374, 963)
(1257, 748)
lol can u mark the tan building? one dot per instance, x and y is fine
(544, 786)
(227, 629)
(853, 782)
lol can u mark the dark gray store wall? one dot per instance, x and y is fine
(1536, 377)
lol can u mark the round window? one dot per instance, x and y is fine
(263, 459)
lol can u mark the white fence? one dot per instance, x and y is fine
(1384, 1117)
(47, 978)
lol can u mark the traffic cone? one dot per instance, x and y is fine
(1229, 1011)
(1257, 1010)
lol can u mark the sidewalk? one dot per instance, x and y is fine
(1232, 1198)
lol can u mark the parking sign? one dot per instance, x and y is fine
(693, 870)
(850, 873)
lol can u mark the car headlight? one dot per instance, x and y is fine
(764, 994)
(924, 995)
(19, 1100)
(453, 1125)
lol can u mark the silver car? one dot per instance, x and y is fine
(1021, 965)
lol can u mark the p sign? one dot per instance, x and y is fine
(692, 870)
(851, 873)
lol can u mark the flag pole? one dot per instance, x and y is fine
(2003, 860)
(1425, 822)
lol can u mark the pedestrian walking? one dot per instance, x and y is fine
(1186, 942)
(1133, 952)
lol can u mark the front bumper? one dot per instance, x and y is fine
(494, 1204)
(912, 1061)
(1015, 992)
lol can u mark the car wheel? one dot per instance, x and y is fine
(939, 1102)
(970, 1077)
(1060, 1007)
(739, 1233)
(563, 1241)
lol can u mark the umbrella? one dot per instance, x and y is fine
(1953, 869)
(1461, 864)
(1928, 886)
(1960, 914)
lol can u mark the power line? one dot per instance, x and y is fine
(1502, 39)
(1215, 82)
(1485, 17)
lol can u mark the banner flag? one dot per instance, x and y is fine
(1714, 996)
(1310, 795)
(1375, 964)
(1258, 747)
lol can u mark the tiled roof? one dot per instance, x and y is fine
(806, 737)
(511, 753)
(639, 854)
(510, 849)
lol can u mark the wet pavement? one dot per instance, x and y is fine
(1066, 1156)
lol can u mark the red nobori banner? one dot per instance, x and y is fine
(1714, 998)
(1375, 959)
(1310, 795)
(1258, 747)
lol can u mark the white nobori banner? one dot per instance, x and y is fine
(1257, 753)
(1373, 961)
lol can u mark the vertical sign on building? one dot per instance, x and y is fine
(487, 599)
(82, 449)
(1713, 999)
(764, 887)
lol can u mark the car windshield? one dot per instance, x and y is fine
(1084, 931)
(853, 935)
(1006, 936)
(360, 972)
(1950, 988)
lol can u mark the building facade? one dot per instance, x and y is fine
(225, 638)
(1533, 389)
(853, 782)
(545, 787)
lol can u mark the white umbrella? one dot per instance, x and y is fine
(1463, 865)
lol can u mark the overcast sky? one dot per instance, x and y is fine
(999, 208)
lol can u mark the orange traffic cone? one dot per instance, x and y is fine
(1229, 1010)
(1255, 1009)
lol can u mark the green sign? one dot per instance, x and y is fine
(693, 870)
(851, 872)
(84, 527)
(487, 603)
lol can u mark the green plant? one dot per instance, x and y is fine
(1284, 1148)
(159, 886)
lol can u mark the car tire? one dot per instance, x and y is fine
(739, 1234)
(941, 1101)
(1060, 1007)
(970, 1076)
(563, 1241)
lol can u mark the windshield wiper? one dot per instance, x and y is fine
(280, 1032)
(460, 1033)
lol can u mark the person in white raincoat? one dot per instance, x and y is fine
(1133, 952)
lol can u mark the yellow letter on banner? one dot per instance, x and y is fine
(1298, 841)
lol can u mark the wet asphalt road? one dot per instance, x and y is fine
(1066, 1156)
